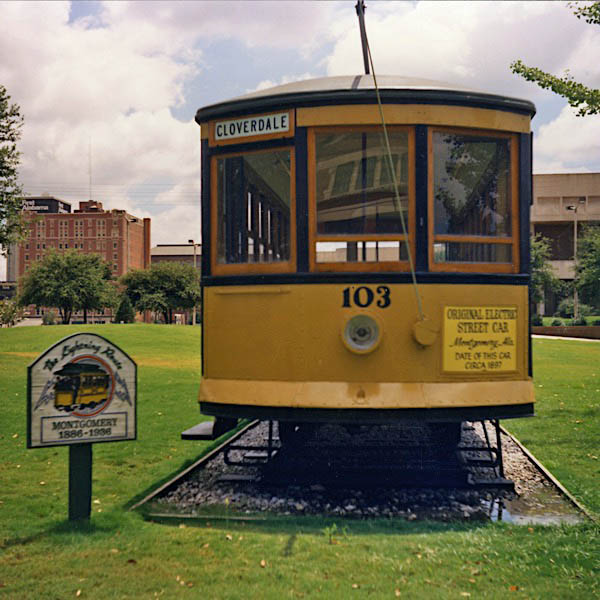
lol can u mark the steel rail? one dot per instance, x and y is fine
(549, 477)
(205, 458)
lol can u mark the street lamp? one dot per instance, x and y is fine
(194, 312)
(573, 208)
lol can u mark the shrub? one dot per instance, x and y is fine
(536, 320)
(579, 321)
(565, 308)
(557, 323)
(125, 312)
(49, 318)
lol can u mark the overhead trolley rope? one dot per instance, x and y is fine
(368, 60)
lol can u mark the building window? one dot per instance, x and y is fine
(115, 256)
(473, 201)
(114, 244)
(254, 210)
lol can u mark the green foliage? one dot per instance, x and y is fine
(537, 320)
(125, 313)
(12, 225)
(68, 281)
(586, 99)
(542, 275)
(589, 12)
(557, 323)
(587, 279)
(581, 320)
(49, 318)
(10, 312)
(163, 288)
(566, 310)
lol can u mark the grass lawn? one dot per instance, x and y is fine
(120, 555)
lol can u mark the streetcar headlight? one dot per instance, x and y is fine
(361, 334)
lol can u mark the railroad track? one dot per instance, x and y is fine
(236, 476)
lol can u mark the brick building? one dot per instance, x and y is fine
(121, 239)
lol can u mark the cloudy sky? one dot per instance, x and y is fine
(120, 82)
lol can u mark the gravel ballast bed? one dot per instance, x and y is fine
(203, 490)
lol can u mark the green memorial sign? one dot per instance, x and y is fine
(81, 391)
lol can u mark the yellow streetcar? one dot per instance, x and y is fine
(79, 386)
(356, 276)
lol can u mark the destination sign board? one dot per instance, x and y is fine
(480, 339)
(81, 390)
(257, 126)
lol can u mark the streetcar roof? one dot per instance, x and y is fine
(359, 89)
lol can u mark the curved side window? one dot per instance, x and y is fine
(473, 201)
(253, 212)
(356, 224)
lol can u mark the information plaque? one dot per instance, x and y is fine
(480, 339)
(82, 390)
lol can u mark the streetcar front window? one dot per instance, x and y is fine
(358, 214)
(473, 198)
(254, 207)
(355, 194)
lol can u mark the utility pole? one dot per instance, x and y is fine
(573, 207)
(194, 311)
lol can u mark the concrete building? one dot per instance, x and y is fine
(181, 253)
(187, 254)
(563, 204)
(121, 239)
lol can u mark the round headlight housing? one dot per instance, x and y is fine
(361, 334)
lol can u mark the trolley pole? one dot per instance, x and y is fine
(360, 11)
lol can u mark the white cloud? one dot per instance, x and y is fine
(268, 83)
(568, 144)
(468, 43)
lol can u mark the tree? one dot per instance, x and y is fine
(163, 288)
(542, 275)
(10, 312)
(587, 278)
(125, 312)
(12, 224)
(68, 281)
(586, 99)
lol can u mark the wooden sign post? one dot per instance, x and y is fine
(82, 390)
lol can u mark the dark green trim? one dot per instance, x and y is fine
(301, 161)
(80, 481)
(362, 278)
(205, 208)
(241, 107)
(367, 415)
(422, 206)
(525, 201)
(251, 146)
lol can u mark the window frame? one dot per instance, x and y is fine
(251, 268)
(314, 237)
(513, 240)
